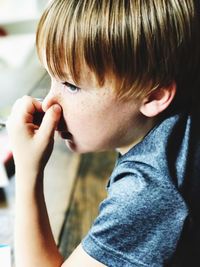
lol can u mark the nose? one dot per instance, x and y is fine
(51, 99)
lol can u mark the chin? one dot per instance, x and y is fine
(80, 149)
(74, 148)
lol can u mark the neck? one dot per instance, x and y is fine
(149, 124)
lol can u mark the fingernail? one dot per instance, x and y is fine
(56, 108)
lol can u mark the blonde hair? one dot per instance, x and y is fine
(144, 44)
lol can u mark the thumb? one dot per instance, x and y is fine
(49, 122)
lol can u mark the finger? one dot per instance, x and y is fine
(24, 109)
(49, 122)
(16, 105)
(31, 105)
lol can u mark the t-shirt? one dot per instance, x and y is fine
(151, 216)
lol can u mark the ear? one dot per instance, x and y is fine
(158, 100)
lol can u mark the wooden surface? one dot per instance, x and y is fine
(89, 191)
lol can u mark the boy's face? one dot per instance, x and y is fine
(95, 118)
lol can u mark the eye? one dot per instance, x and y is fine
(72, 88)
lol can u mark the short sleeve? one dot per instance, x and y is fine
(139, 223)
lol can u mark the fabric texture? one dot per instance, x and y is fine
(151, 214)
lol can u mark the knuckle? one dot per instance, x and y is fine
(27, 99)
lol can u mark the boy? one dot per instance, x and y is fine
(125, 76)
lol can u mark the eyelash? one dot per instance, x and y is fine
(72, 88)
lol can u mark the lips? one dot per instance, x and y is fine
(63, 131)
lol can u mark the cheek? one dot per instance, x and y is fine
(93, 129)
(96, 125)
(87, 124)
(78, 116)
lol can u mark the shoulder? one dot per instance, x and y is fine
(136, 213)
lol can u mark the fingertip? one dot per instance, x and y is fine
(57, 108)
(44, 106)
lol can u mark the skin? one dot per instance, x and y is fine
(95, 117)
(97, 121)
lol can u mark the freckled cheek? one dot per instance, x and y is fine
(85, 123)
(82, 121)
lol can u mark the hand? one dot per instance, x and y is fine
(32, 145)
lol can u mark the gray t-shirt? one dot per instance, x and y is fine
(151, 214)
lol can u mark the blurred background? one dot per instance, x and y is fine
(20, 74)
(19, 67)
(20, 70)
